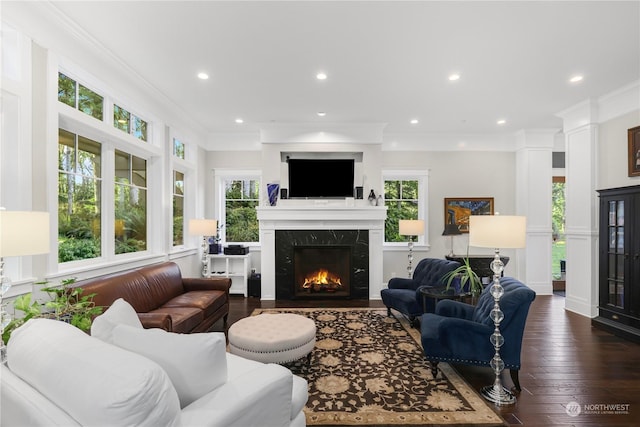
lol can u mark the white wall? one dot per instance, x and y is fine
(612, 151)
(454, 174)
(451, 174)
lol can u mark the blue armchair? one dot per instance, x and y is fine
(459, 332)
(403, 295)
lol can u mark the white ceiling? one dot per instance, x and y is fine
(387, 61)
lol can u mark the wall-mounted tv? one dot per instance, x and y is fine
(321, 178)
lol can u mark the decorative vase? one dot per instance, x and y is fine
(372, 198)
(272, 192)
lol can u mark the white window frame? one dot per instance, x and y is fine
(222, 175)
(422, 176)
(111, 139)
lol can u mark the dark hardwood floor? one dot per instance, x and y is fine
(564, 360)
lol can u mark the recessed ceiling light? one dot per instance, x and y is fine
(203, 76)
(576, 79)
(321, 76)
(414, 121)
(239, 120)
(454, 77)
(501, 121)
(322, 113)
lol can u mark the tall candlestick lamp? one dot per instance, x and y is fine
(497, 231)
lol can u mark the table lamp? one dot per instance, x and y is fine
(411, 228)
(204, 228)
(451, 230)
(21, 234)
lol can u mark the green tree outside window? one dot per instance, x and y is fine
(241, 220)
(178, 148)
(178, 208)
(75, 95)
(401, 200)
(79, 189)
(130, 198)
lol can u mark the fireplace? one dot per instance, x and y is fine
(317, 223)
(322, 264)
(322, 271)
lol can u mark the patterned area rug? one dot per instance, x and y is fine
(369, 369)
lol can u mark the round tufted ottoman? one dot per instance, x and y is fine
(273, 337)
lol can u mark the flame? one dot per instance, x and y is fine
(322, 277)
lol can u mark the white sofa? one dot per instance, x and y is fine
(57, 375)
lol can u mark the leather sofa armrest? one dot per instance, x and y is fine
(156, 320)
(205, 283)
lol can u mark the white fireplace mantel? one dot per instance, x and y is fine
(314, 217)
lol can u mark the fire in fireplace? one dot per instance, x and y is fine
(322, 280)
(322, 271)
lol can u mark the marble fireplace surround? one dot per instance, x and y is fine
(316, 217)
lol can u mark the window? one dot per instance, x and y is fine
(130, 194)
(405, 196)
(129, 123)
(79, 183)
(178, 149)
(239, 197)
(178, 208)
(80, 97)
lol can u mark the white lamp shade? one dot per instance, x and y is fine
(203, 227)
(411, 227)
(497, 231)
(23, 233)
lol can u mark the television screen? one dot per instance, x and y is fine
(320, 178)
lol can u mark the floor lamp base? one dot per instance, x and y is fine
(500, 396)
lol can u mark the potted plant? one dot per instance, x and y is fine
(67, 304)
(466, 277)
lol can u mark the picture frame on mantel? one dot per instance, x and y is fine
(634, 151)
(458, 210)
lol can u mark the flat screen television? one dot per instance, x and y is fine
(321, 178)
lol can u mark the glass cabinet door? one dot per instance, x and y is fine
(616, 254)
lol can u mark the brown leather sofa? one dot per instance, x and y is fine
(163, 298)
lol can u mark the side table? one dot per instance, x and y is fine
(437, 294)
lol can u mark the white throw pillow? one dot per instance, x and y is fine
(94, 382)
(120, 313)
(196, 363)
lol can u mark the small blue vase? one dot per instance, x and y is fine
(272, 192)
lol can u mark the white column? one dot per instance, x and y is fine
(533, 200)
(268, 263)
(581, 225)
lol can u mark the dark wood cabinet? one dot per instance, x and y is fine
(480, 264)
(619, 253)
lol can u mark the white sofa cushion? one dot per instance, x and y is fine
(238, 366)
(94, 382)
(259, 397)
(196, 363)
(120, 312)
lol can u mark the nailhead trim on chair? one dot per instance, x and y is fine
(468, 362)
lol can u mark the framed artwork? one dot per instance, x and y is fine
(634, 151)
(458, 210)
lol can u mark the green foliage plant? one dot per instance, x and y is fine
(466, 275)
(66, 304)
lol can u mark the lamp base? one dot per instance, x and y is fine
(499, 396)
